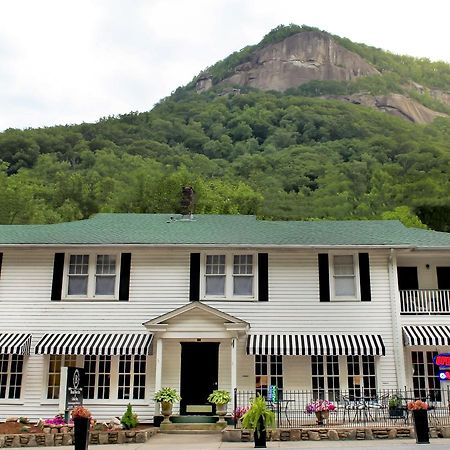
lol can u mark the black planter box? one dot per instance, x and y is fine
(81, 433)
(421, 426)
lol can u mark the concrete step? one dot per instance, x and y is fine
(192, 428)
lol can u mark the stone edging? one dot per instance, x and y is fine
(333, 434)
(58, 439)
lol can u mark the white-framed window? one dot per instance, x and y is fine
(362, 381)
(97, 371)
(54, 372)
(268, 371)
(426, 383)
(229, 275)
(91, 275)
(11, 374)
(132, 375)
(325, 377)
(344, 277)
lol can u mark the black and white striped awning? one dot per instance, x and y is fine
(94, 344)
(317, 344)
(426, 335)
(15, 343)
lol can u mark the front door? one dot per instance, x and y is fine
(199, 372)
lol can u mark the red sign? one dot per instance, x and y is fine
(442, 360)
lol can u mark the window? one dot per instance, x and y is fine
(11, 369)
(426, 383)
(361, 377)
(132, 371)
(92, 275)
(97, 377)
(269, 371)
(344, 277)
(325, 377)
(54, 372)
(229, 275)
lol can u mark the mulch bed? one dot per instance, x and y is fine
(17, 428)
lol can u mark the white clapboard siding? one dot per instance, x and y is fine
(159, 283)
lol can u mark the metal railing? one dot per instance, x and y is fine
(425, 301)
(351, 411)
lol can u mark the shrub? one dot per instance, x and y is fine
(129, 419)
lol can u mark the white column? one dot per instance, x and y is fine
(399, 350)
(233, 370)
(158, 371)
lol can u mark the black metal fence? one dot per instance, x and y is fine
(387, 408)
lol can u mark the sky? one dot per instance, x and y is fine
(73, 61)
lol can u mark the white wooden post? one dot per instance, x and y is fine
(233, 370)
(399, 349)
(158, 372)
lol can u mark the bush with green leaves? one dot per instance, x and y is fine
(129, 419)
(219, 397)
(259, 416)
(168, 395)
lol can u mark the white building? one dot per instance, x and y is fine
(148, 301)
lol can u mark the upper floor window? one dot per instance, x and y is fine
(344, 272)
(229, 276)
(92, 275)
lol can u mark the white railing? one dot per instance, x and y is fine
(425, 301)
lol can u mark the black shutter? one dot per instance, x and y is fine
(324, 278)
(194, 283)
(124, 285)
(263, 277)
(58, 270)
(364, 277)
(1, 262)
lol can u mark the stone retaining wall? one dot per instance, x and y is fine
(58, 439)
(330, 434)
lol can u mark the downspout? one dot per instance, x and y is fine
(397, 336)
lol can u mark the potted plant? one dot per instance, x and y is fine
(258, 418)
(395, 406)
(220, 398)
(321, 408)
(167, 397)
(81, 419)
(420, 413)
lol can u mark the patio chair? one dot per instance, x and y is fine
(356, 407)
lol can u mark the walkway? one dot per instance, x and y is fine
(212, 442)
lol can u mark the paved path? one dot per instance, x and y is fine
(212, 442)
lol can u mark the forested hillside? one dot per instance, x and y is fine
(279, 155)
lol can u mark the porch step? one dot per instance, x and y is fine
(192, 428)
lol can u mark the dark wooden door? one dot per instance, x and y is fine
(407, 278)
(199, 374)
(443, 277)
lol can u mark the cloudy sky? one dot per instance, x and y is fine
(69, 61)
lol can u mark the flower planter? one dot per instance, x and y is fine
(322, 416)
(221, 411)
(261, 436)
(81, 433)
(166, 411)
(421, 426)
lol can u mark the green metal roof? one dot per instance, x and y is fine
(172, 229)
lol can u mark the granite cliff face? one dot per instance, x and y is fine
(298, 59)
(394, 104)
(315, 55)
